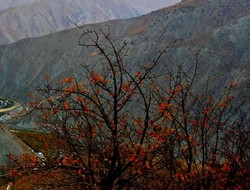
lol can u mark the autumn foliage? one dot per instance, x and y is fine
(122, 128)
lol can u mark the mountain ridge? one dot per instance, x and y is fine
(145, 6)
(44, 17)
(5, 4)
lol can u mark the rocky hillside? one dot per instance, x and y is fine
(218, 28)
(5, 4)
(10, 146)
(46, 16)
(147, 6)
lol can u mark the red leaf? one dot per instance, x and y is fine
(68, 80)
(46, 77)
(139, 134)
(66, 105)
(195, 122)
(11, 157)
(148, 165)
(132, 158)
(138, 74)
(225, 167)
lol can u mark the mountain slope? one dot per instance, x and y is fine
(10, 145)
(47, 16)
(146, 6)
(5, 4)
(218, 28)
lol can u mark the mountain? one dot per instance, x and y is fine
(46, 16)
(218, 28)
(146, 6)
(10, 146)
(14, 3)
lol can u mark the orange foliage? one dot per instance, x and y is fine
(66, 105)
(162, 107)
(68, 80)
(95, 77)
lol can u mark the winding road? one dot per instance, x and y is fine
(15, 106)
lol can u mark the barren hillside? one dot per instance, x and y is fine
(46, 16)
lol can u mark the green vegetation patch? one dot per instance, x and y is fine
(36, 140)
(41, 142)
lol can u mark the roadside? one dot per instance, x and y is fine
(6, 113)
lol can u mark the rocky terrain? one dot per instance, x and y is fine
(5, 4)
(145, 6)
(46, 16)
(11, 146)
